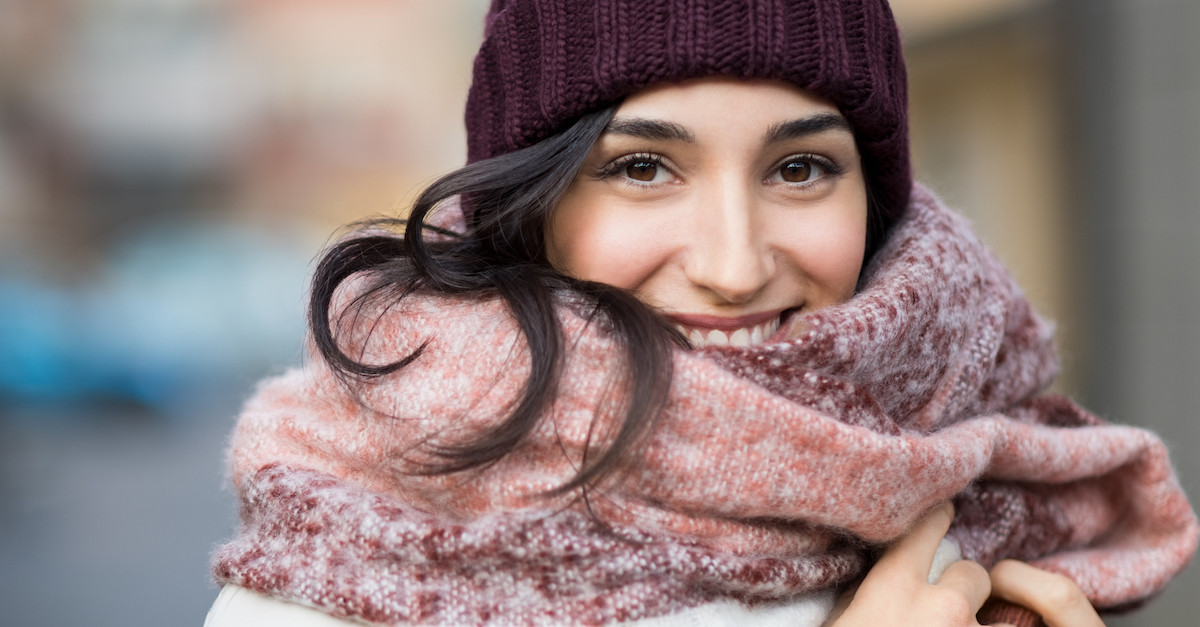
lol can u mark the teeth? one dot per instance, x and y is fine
(746, 336)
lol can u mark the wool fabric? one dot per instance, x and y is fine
(775, 471)
(545, 63)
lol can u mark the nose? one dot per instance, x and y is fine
(729, 254)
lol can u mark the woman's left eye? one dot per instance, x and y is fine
(798, 171)
(802, 169)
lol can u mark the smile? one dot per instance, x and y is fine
(741, 336)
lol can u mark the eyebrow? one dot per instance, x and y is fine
(802, 127)
(668, 131)
(649, 129)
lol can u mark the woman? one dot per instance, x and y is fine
(683, 344)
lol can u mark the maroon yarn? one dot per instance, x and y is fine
(545, 63)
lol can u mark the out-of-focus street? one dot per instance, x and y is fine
(109, 518)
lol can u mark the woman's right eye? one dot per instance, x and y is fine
(644, 171)
(638, 169)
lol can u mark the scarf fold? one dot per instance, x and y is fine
(773, 472)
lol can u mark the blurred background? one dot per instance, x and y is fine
(170, 168)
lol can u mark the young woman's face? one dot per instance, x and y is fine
(725, 204)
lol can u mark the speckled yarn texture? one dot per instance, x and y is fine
(772, 473)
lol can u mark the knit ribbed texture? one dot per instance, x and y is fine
(996, 611)
(544, 63)
(772, 469)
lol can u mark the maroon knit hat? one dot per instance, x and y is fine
(545, 63)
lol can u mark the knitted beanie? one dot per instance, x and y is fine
(545, 63)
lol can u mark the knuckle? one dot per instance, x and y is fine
(1062, 592)
(952, 606)
(975, 570)
(1006, 569)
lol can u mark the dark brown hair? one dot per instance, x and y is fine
(501, 254)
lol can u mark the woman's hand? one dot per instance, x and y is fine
(1056, 598)
(897, 591)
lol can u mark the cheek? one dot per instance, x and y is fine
(587, 242)
(829, 254)
(845, 263)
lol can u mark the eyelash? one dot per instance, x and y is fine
(616, 167)
(828, 167)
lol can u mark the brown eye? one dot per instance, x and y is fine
(796, 171)
(642, 171)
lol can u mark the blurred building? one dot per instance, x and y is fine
(358, 103)
(168, 169)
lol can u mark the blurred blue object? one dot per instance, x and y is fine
(182, 310)
(35, 323)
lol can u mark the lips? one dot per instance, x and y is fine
(731, 333)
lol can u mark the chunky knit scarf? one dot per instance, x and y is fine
(773, 472)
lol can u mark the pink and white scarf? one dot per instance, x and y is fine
(772, 473)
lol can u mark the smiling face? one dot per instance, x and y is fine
(727, 205)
